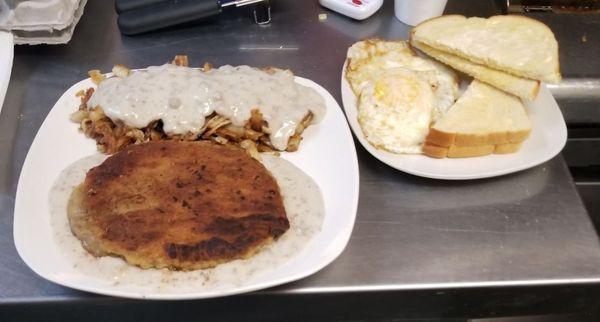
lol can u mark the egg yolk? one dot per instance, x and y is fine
(399, 90)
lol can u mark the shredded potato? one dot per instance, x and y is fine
(120, 70)
(96, 76)
(78, 116)
(181, 60)
(250, 147)
(113, 136)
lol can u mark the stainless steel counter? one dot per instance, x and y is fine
(527, 228)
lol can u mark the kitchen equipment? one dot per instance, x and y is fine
(140, 16)
(35, 22)
(554, 6)
(356, 9)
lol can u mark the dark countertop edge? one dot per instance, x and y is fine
(91, 297)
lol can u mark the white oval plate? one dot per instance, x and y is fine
(547, 139)
(58, 144)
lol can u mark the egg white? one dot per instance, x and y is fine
(396, 123)
(395, 111)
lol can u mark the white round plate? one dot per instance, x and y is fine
(547, 139)
(58, 144)
(6, 60)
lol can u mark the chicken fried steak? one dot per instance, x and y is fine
(177, 205)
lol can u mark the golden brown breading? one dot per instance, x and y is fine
(178, 205)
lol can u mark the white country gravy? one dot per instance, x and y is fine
(303, 204)
(182, 97)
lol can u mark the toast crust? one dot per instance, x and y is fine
(439, 152)
(470, 151)
(434, 151)
(507, 148)
(446, 139)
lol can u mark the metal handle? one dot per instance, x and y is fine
(262, 13)
(125, 5)
(555, 6)
(240, 3)
(165, 14)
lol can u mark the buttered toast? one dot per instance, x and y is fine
(484, 120)
(522, 87)
(515, 45)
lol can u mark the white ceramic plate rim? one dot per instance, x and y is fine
(556, 142)
(6, 60)
(26, 242)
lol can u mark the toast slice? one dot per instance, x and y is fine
(455, 151)
(518, 86)
(514, 44)
(484, 120)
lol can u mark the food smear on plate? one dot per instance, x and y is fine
(303, 204)
(227, 105)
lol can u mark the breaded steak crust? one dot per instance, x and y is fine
(177, 205)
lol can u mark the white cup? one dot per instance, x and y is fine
(413, 12)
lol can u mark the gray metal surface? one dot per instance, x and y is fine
(579, 45)
(525, 228)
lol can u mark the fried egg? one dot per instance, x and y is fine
(400, 94)
(395, 110)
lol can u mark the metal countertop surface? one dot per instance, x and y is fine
(411, 233)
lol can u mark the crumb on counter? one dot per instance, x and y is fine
(322, 17)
